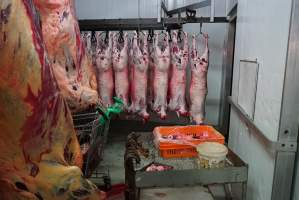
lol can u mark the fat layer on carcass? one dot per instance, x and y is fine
(139, 67)
(40, 152)
(179, 62)
(161, 70)
(120, 57)
(198, 88)
(72, 67)
(104, 68)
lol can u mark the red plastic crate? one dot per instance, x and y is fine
(180, 141)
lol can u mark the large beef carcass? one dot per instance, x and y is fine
(161, 70)
(179, 62)
(72, 67)
(40, 155)
(139, 66)
(198, 87)
(120, 57)
(104, 68)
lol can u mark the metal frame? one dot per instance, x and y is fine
(227, 72)
(232, 14)
(288, 127)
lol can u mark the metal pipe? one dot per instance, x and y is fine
(159, 10)
(212, 10)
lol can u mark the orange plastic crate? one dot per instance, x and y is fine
(187, 137)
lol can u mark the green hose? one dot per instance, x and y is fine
(107, 114)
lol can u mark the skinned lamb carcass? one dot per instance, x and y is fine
(104, 69)
(40, 156)
(72, 66)
(139, 67)
(198, 87)
(86, 39)
(120, 57)
(161, 70)
(150, 74)
(177, 87)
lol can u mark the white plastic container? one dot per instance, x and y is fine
(211, 155)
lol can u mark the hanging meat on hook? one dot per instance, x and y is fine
(40, 156)
(198, 87)
(72, 67)
(139, 67)
(179, 62)
(161, 70)
(151, 65)
(120, 57)
(104, 68)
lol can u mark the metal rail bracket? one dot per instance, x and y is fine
(276, 146)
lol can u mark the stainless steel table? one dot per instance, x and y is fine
(141, 152)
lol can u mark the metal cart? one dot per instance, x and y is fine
(141, 152)
(92, 130)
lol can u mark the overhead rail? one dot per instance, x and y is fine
(143, 23)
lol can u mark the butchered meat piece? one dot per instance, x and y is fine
(72, 67)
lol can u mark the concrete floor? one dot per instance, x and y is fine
(113, 161)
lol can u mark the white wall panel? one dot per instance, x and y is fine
(261, 163)
(220, 7)
(113, 9)
(262, 34)
(230, 4)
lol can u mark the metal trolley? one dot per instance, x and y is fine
(141, 152)
(92, 128)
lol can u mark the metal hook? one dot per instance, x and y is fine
(107, 37)
(93, 37)
(200, 30)
(169, 34)
(180, 36)
(150, 35)
(121, 37)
